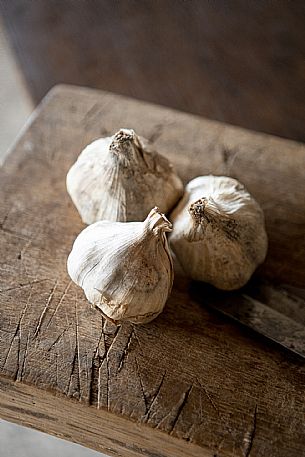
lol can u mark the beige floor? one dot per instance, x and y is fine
(15, 107)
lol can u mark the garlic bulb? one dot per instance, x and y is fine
(219, 235)
(125, 269)
(120, 178)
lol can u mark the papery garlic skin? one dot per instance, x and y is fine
(125, 269)
(120, 178)
(219, 233)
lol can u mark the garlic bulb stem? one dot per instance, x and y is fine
(125, 146)
(157, 222)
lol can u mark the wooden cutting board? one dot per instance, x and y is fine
(190, 383)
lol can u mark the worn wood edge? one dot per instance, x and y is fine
(94, 428)
(29, 121)
(62, 88)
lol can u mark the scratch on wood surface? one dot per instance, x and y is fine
(125, 351)
(106, 361)
(49, 299)
(101, 360)
(17, 330)
(208, 396)
(142, 386)
(15, 234)
(58, 338)
(57, 376)
(138, 340)
(99, 387)
(156, 133)
(188, 435)
(77, 348)
(19, 376)
(59, 303)
(20, 286)
(30, 241)
(71, 373)
(115, 336)
(95, 108)
(97, 348)
(25, 247)
(154, 398)
(94, 113)
(96, 362)
(249, 436)
(18, 358)
(228, 158)
(108, 384)
(2, 223)
(10, 346)
(179, 408)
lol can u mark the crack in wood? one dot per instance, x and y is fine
(59, 303)
(18, 357)
(125, 351)
(108, 385)
(99, 359)
(94, 114)
(154, 398)
(16, 234)
(25, 247)
(146, 403)
(138, 340)
(10, 346)
(180, 406)
(2, 223)
(58, 338)
(156, 133)
(98, 388)
(208, 396)
(17, 330)
(71, 373)
(77, 348)
(42, 315)
(105, 360)
(228, 158)
(20, 376)
(97, 363)
(249, 436)
(188, 436)
(56, 365)
(20, 286)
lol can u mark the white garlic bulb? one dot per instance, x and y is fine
(120, 178)
(124, 268)
(219, 234)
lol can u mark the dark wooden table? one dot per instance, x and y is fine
(238, 61)
(189, 384)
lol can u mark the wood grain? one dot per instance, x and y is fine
(190, 383)
(236, 61)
